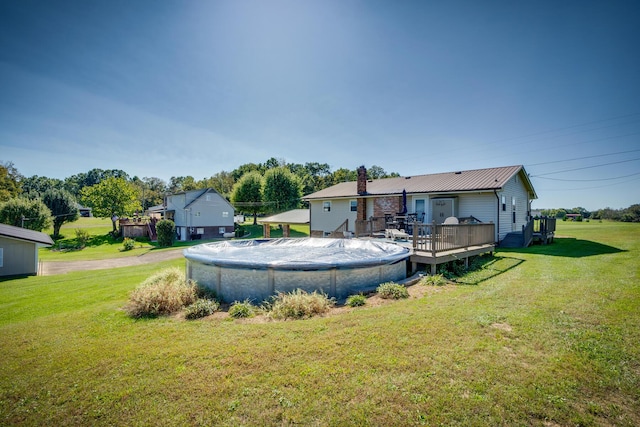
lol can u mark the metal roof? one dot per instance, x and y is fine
(295, 216)
(450, 182)
(25, 234)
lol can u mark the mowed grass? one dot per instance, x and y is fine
(541, 336)
(102, 246)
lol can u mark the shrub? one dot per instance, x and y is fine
(201, 308)
(82, 237)
(205, 292)
(299, 305)
(452, 269)
(356, 300)
(241, 309)
(435, 280)
(128, 244)
(166, 231)
(165, 292)
(391, 290)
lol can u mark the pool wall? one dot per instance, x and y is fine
(237, 284)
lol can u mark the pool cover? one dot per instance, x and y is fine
(297, 254)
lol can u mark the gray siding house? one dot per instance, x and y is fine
(200, 214)
(500, 195)
(19, 250)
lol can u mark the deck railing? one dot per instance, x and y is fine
(339, 231)
(544, 225)
(370, 226)
(436, 238)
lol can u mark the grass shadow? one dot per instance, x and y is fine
(485, 268)
(569, 247)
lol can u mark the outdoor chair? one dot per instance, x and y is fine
(452, 220)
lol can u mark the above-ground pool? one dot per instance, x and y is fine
(258, 269)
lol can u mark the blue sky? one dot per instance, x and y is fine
(168, 88)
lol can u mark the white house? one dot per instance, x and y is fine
(499, 195)
(200, 214)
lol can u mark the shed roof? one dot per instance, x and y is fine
(25, 234)
(295, 216)
(450, 182)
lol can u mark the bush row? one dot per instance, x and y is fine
(168, 292)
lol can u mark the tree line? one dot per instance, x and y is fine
(36, 202)
(629, 214)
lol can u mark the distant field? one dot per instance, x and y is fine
(544, 336)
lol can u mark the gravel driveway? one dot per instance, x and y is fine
(50, 268)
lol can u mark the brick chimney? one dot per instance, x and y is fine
(362, 181)
(362, 191)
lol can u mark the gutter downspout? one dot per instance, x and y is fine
(497, 217)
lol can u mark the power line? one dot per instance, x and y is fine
(585, 167)
(581, 158)
(589, 180)
(586, 188)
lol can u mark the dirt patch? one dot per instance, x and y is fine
(416, 291)
(502, 326)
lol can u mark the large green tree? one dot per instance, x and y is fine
(246, 195)
(63, 207)
(35, 186)
(182, 183)
(241, 170)
(9, 181)
(222, 182)
(343, 175)
(111, 198)
(282, 189)
(151, 191)
(26, 213)
(75, 183)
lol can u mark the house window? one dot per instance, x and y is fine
(354, 205)
(513, 209)
(222, 230)
(225, 214)
(326, 206)
(200, 230)
(208, 197)
(1, 257)
(504, 203)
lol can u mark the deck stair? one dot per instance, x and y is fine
(153, 235)
(514, 239)
(340, 231)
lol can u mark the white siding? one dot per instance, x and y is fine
(329, 221)
(513, 188)
(479, 205)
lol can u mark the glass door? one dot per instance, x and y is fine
(420, 209)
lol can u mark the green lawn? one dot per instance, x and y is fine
(542, 336)
(103, 246)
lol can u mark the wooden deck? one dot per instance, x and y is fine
(435, 244)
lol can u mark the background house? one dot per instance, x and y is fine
(200, 214)
(500, 195)
(19, 250)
